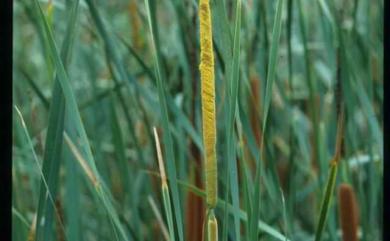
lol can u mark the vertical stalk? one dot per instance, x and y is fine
(208, 114)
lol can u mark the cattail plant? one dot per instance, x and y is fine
(208, 114)
(89, 89)
(348, 212)
(326, 200)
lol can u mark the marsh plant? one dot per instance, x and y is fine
(197, 120)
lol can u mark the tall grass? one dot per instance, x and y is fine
(264, 108)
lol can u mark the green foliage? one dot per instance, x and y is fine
(92, 77)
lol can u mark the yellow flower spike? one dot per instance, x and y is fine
(206, 68)
(208, 101)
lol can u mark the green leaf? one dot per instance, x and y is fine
(326, 200)
(169, 154)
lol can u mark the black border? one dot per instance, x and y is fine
(386, 129)
(6, 10)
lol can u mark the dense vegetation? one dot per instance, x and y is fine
(296, 151)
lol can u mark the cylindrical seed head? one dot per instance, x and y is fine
(348, 213)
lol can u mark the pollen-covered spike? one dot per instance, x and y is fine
(208, 101)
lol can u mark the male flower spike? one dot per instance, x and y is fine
(208, 101)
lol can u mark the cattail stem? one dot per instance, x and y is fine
(212, 227)
(332, 175)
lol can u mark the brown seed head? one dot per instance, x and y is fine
(348, 210)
